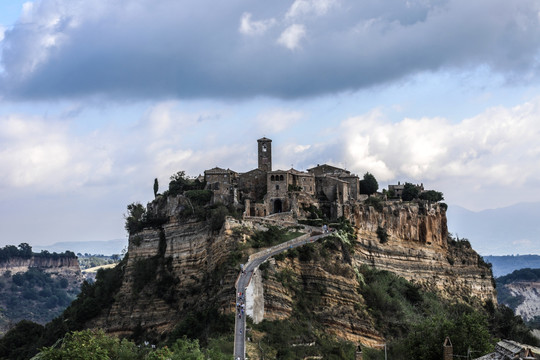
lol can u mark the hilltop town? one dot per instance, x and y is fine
(264, 191)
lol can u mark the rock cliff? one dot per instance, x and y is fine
(66, 267)
(418, 248)
(182, 266)
(529, 293)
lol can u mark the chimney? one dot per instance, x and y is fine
(448, 350)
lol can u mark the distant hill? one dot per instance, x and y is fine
(510, 230)
(506, 264)
(108, 247)
(519, 290)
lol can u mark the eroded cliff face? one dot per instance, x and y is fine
(529, 293)
(417, 248)
(187, 263)
(67, 267)
(172, 270)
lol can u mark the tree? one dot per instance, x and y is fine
(369, 184)
(135, 217)
(25, 250)
(432, 195)
(410, 192)
(156, 187)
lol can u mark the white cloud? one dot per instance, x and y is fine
(248, 27)
(277, 120)
(41, 155)
(291, 36)
(307, 7)
(301, 148)
(493, 150)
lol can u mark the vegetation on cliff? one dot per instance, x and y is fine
(312, 278)
(24, 251)
(26, 338)
(96, 345)
(413, 321)
(35, 294)
(512, 300)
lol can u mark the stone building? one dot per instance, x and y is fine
(264, 191)
(398, 189)
(222, 182)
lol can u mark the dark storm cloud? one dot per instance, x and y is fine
(198, 49)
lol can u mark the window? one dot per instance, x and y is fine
(272, 178)
(264, 148)
(277, 187)
(280, 177)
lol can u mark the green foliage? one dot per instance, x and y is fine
(272, 236)
(297, 338)
(375, 202)
(199, 197)
(144, 272)
(526, 274)
(432, 195)
(138, 218)
(156, 187)
(24, 251)
(180, 183)
(14, 345)
(410, 192)
(200, 325)
(292, 187)
(368, 185)
(96, 297)
(311, 222)
(382, 234)
(96, 345)
(505, 324)
(86, 262)
(90, 345)
(135, 217)
(217, 217)
(425, 340)
(34, 295)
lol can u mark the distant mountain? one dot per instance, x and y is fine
(510, 230)
(91, 247)
(503, 265)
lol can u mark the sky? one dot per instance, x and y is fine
(98, 98)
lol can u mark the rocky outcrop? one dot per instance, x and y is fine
(182, 265)
(529, 293)
(172, 270)
(59, 266)
(417, 248)
(327, 290)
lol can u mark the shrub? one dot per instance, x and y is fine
(382, 234)
(199, 197)
(375, 202)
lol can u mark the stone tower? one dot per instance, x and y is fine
(265, 154)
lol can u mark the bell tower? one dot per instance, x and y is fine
(265, 154)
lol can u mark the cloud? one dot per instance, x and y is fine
(248, 27)
(291, 36)
(39, 154)
(274, 121)
(178, 49)
(485, 154)
(307, 7)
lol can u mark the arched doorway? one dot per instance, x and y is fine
(278, 206)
